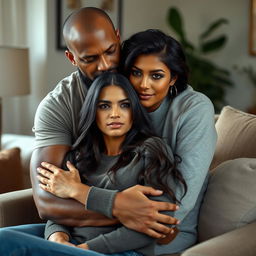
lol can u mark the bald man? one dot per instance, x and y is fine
(93, 47)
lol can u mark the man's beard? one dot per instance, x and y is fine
(86, 81)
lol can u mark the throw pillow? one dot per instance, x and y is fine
(236, 136)
(10, 170)
(230, 199)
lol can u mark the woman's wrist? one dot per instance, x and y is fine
(80, 192)
(58, 237)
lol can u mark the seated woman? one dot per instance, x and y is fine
(156, 66)
(116, 150)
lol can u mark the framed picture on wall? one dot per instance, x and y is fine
(252, 37)
(65, 7)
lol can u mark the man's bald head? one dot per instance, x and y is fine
(85, 21)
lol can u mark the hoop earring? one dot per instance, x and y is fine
(173, 91)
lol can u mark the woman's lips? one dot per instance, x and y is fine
(115, 125)
(145, 96)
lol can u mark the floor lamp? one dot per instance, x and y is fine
(14, 74)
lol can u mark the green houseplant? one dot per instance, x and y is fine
(205, 75)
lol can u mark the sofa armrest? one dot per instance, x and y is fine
(234, 243)
(18, 208)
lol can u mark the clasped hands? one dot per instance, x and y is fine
(131, 207)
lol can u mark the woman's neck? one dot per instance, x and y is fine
(113, 145)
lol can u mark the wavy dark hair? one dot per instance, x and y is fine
(154, 41)
(87, 149)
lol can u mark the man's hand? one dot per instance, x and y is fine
(135, 211)
(61, 238)
(169, 237)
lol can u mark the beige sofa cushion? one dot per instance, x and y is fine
(10, 170)
(230, 199)
(236, 136)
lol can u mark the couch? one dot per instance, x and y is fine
(227, 221)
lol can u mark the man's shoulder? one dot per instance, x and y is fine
(68, 84)
(68, 88)
(70, 91)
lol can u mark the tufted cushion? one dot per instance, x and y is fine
(236, 135)
(230, 199)
(10, 170)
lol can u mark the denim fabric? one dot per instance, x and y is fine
(28, 240)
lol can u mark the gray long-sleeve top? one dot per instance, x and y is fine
(187, 125)
(115, 238)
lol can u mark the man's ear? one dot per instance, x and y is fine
(70, 57)
(118, 34)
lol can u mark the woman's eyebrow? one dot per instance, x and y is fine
(153, 70)
(126, 99)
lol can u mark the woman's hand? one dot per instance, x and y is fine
(61, 238)
(59, 182)
(83, 246)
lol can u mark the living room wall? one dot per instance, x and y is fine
(49, 65)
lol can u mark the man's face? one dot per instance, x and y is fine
(96, 52)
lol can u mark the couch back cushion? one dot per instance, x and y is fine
(10, 170)
(236, 136)
(230, 199)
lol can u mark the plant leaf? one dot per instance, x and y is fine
(213, 45)
(175, 20)
(213, 26)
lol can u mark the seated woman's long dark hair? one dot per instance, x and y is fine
(87, 149)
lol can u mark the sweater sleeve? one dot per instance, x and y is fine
(195, 144)
(105, 196)
(52, 227)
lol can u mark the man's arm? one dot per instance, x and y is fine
(143, 216)
(63, 211)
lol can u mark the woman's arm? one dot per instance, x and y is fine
(55, 208)
(195, 144)
(116, 241)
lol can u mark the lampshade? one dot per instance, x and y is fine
(14, 71)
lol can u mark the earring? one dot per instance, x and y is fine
(173, 91)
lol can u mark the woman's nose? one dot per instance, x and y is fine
(115, 113)
(144, 83)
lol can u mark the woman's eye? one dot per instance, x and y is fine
(135, 73)
(126, 105)
(103, 106)
(157, 76)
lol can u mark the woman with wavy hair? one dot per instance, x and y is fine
(156, 66)
(115, 150)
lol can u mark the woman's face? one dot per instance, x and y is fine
(114, 113)
(151, 79)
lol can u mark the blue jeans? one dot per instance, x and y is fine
(28, 240)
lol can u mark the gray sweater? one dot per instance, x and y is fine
(117, 238)
(187, 125)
